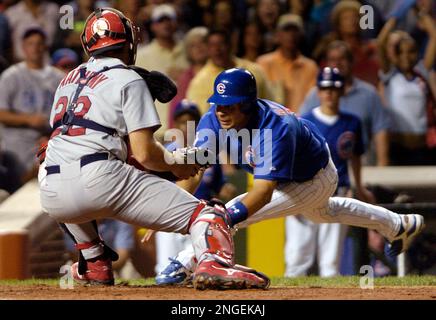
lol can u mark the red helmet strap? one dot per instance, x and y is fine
(107, 33)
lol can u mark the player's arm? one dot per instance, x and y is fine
(255, 199)
(382, 44)
(382, 147)
(430, 51)
(361, 192)
(12, 119)
(259, 195)
(153, 156)
(192, 183)
(278, 155)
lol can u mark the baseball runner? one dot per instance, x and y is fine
(84, 176)
(292, 167)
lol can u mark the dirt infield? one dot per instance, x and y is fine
(124, 292)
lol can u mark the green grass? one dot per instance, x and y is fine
(311, 281)
(353, 281)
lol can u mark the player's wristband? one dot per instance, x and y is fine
(238, 212)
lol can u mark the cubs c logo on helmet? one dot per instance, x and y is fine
(220, 88)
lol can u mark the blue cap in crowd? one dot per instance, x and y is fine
(64, 56)
(330, 78)
(186, 106)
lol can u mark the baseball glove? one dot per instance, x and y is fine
(162, 88)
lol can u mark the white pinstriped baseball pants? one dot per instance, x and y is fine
(314, 200)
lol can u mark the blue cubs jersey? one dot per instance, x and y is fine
(212, 182)
(280, 146)
(344, 138)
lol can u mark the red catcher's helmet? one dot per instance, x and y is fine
(109, 29)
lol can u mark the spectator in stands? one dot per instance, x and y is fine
(224, 18)
(251, 43)
(31, 14)
(291, 74)
(26, 96)
(403, 10)
(164, 53)
(9, 176)
(345, 19)
(315, 15)
(213, 184)
(65, 60)
(221, 58)
(196, 51)
(360, 98)
(408, 94)
(5, 41)
(306, 240)
(132, 9)
(407, 15)
(267, 15)
(120, 237)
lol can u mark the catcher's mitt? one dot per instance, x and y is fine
(162, 88)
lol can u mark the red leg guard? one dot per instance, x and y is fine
(214, 249)
(215, 231)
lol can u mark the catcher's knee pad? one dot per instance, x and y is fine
(210, 234)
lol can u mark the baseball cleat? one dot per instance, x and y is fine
(97, 273)
(174, 274)
(411, 226)
(212, 275)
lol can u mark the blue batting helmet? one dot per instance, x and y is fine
(330, 78)
(234, 86)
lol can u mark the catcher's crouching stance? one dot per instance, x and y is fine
(84, 176)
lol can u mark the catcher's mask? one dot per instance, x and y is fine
(108, 29)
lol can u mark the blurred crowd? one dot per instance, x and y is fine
(385, 54)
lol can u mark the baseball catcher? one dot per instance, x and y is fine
(85, 176)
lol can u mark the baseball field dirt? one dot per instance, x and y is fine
(342, 288)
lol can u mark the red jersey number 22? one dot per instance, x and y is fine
(82, 108)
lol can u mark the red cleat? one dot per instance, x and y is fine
(97, 273)
(211, 274)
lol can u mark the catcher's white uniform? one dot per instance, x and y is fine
(118, 99)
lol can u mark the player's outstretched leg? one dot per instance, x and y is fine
(399, 229)
(214, 250)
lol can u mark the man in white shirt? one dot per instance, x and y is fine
(164, 51)
(26, 94)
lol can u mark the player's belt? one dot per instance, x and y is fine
(90, 158)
